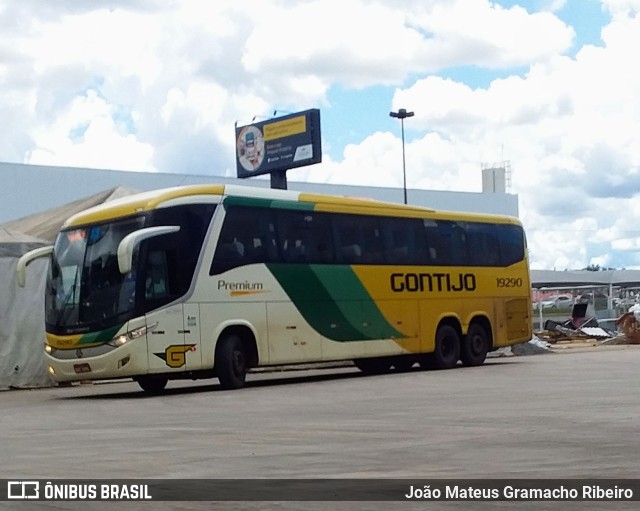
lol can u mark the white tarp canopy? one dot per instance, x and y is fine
(22, 362)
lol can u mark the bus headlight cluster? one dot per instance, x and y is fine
(136, 333)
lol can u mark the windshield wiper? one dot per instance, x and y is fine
(65, 310)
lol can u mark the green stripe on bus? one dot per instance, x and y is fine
(333, 301)
(247, 201)
(100, 336)
(267, 203)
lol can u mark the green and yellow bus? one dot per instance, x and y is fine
(215, 280)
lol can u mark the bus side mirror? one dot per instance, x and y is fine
(130, 241)
(23, 262)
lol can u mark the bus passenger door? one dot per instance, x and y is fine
(174, 343)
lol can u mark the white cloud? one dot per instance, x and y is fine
(366, 43)
(375, 161)
(87, 136)
(154, 85)
(622, 8)
(569, 127)
(485, 34)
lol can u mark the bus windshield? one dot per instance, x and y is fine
(85, 287)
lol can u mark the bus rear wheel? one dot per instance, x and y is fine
(373, 365)
(475, 346)
(447, 352)
(231, 362)
(152, 384)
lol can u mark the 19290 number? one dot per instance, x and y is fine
(508, 282)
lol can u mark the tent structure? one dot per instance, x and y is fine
(22, 362)
(45, 225)
(21, 314)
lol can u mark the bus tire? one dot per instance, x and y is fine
(377, 365)
(152, 384)
(231, 362)
(475, 346)
(447, 351)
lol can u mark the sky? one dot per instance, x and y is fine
(549, 86)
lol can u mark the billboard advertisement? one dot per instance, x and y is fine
(278, 144)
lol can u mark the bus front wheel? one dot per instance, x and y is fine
(447, 352)
(231, 363)
(152, 384)
(475, 346)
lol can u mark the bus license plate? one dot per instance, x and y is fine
(82, 368)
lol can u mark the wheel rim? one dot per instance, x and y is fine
(477, 344)
(448, 347)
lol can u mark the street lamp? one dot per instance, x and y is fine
(402, 114)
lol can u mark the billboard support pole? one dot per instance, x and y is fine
(279, 179)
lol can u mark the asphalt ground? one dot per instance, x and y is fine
(574, 413)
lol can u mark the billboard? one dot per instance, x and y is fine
(278, 144)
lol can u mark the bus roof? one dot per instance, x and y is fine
(147, 201)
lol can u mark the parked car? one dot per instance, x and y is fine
(559, 302)
(598, 299)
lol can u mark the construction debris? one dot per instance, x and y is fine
(581, 329)
(629, 325)
(577, 328)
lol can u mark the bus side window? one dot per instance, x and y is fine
(325, 254)
(512, 242)
(232, 251)
(247, 237)
(321, 240)
(438, 243)
(347, 237)
(351, 254)
(459, 244)
(404, 241)
(294, 251)
(291, 227)
(358, 239)
(483, 244)
(257, 251)
(304, 237)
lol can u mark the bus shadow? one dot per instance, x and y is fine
(271, 379)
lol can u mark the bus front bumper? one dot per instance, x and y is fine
(124, 361)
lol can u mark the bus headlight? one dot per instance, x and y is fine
(131, 335)
(48, 349)
(119, 341)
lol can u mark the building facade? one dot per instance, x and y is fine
(30, 189)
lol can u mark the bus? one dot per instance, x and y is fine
(217, 280)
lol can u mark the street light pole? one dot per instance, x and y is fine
(402, 114)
